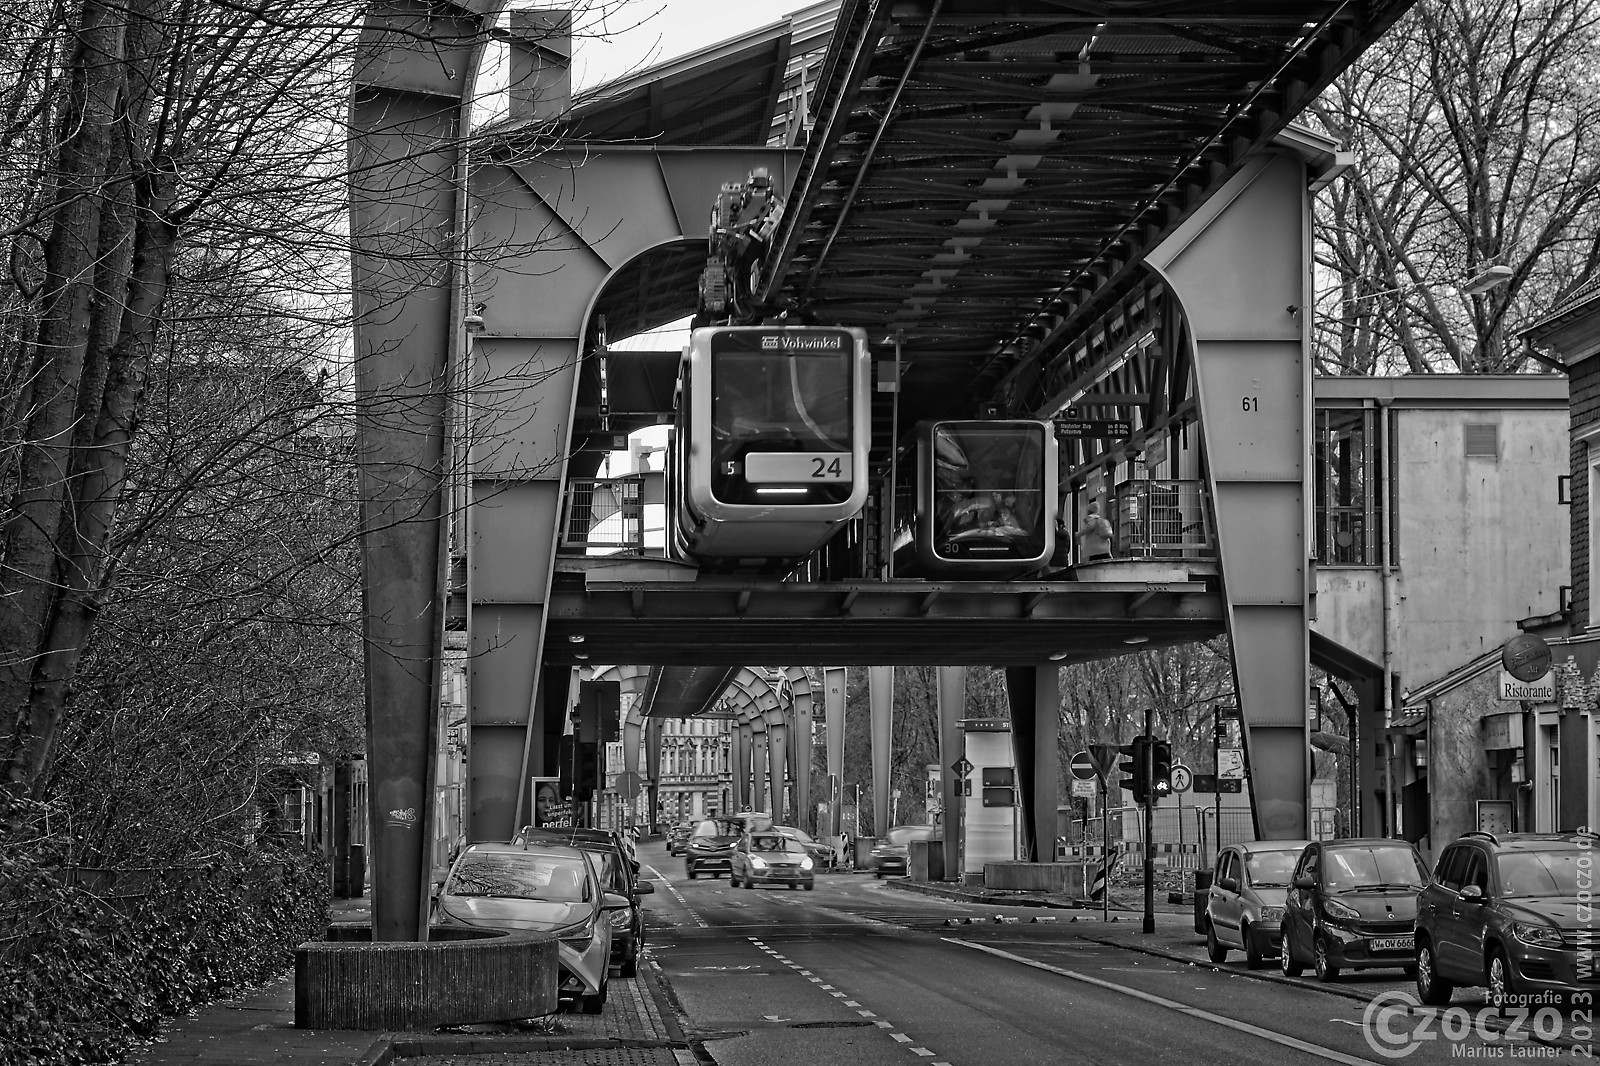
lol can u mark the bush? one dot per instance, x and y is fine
(92, 962)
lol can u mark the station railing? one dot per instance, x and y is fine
(1162, 520)
(606, 514)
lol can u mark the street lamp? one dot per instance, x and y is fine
(1488, 278)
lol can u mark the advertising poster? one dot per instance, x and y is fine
(550, 811)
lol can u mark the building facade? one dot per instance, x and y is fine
(1440, 526)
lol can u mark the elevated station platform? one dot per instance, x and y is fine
(608, 610)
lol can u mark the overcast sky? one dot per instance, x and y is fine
(645, 32)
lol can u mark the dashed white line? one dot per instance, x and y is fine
(899, 1038)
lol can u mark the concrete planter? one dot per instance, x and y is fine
(1062, 878)
(460, 977)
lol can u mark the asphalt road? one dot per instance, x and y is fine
(860, 972)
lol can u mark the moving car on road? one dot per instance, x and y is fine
(821, 854)
(678, 836)
(771, 858)
(891, 853)
(544, 889)
(1246, 905)
(1511, 912)
(710, 847)
(1351, 905)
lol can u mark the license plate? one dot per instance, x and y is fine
(790, 467)
(1390, 943)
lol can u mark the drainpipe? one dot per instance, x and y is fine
(1391, 803)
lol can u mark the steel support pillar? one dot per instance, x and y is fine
(952, 708)
(777, 767)
(833, 693)
(760, 761)
(1035, 696)
(415, 73)
(741, 766)
(1240, 267)
(880, 705)
(652, 762)
(801, 717)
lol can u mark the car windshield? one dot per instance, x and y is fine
(711, 828)
(1270, 869)
(1544, 873)
(524, 875)
(776, 843)
(1368, 869)
(794, 834)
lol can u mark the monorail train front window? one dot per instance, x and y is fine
(781, 416)
(988, 491)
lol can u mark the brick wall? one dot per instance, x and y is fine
(1585, 391)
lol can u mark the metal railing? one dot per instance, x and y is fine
(1186, 837)
(604, 513)
(1162, 520)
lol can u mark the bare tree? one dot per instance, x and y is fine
(1476, 126)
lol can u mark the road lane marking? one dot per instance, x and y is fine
(1181, 1008)
(672, 889)
(900, 1037)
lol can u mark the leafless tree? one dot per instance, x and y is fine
(1476, 128)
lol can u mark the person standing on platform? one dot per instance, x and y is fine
(1094, 537)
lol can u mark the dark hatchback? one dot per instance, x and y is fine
(710, 846)
(891, 853)
(1509, 912)
(1351, 905)
(618, 874)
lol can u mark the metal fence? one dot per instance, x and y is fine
(1185, 837)
(604, 513)
(1162, 519)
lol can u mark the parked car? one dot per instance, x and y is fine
(1505, 912)
(771, 858)
(547, 889)
(619, 874)
(678, 836)
(822, 855)
(710, 847)
(1245, 908)
(1351, 905)
(891, 853)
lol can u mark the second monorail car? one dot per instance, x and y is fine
(986, 496)
(770, 442)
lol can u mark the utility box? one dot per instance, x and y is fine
(989, 794)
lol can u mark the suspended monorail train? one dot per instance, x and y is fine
(769, 443)
(986, 497)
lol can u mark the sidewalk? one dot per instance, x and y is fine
(257, 1029)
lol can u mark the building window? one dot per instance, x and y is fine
(1349, 486)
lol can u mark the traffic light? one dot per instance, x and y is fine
(1161, 768)
(1133, 765)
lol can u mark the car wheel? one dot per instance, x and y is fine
(877, 875)
(690, 872)
(1253, 959)
(811, 886)
(1502, 986)
(1327, 972)
(747, 882)
(1431, 988)
(1216, 950)
(630, 965)
(1286, 959)
(593, 1004)
(733, 881)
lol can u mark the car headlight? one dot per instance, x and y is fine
(1340, 911)
(620, 918)
(1272, 914)
(805, 863)
(1539, 936)
(758, 862)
